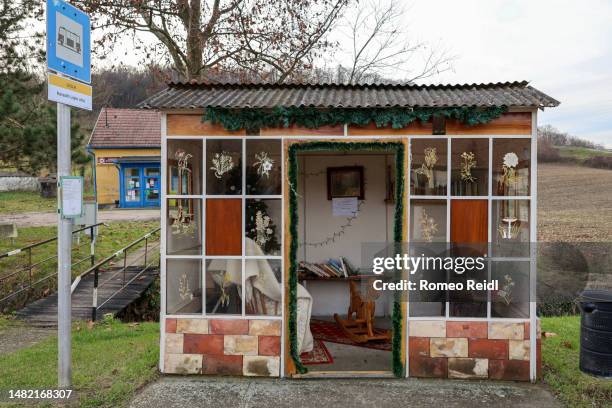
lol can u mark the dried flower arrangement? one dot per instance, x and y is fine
(505, 293)
(181, 220)
(509, 169)
(428, 226)
(510, 228)
(264, 164)
(426, 169)
(262, 229)
(184, 290)
(222, 164)
(469, 162)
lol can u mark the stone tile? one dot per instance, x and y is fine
(515, 370)
(174, 343)
(170, 325)
(448, 347)
(192, 326)
(487, 348)
(227, 326)
(269, 345)
(182, 364)
(203, 344)
(427, 328)
(221, 365)
(261, 366)
(519, 349)
(466, 329)
(240, 345)
(502, 330)
(428, 367)
(418, 346)
(265, 327)
(468, 368)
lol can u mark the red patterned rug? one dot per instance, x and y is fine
(318, 355)
(329, 331)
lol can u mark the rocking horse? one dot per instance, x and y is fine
(359, 325)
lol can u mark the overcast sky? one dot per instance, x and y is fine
(564, 48)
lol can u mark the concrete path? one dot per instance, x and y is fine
(233, 392)
(41, 219)
(18, 335)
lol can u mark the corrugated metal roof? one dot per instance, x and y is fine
(194, 95)
(126, 128)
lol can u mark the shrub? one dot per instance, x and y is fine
(599, 162)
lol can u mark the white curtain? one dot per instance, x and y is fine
(259, 278)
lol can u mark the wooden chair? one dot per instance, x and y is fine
(359, 325)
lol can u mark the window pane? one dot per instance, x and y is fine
(264, 166)
(224, 166)
(511, 167)
(263, 287)
(512, 297)
(184, 227)
(470, 167)
(468, 302)
(263, 227)
(428, 220)
(428, 302)
(224, 286)
(183, 286)
(184, 167)
(510, 228)
(131, 182)
(428, 166)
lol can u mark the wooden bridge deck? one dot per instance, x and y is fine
(43, 312)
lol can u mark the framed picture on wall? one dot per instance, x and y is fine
(345, 182)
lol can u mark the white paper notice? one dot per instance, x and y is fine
(344, 207)
(72, 197)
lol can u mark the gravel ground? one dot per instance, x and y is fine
(182, 392)
(41, 219)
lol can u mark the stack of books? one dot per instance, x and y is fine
(333, 268)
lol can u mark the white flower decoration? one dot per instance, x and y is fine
(511, 160)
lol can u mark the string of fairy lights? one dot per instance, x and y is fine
(342, 228)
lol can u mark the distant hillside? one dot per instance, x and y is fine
(555, 146)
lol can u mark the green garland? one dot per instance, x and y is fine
(398, 148)
(312, 118)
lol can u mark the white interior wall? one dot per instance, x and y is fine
(374, 223)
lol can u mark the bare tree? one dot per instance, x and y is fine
(269, 38)
(381, 47)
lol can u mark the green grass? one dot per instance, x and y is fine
(110, 362)
(580, 154)
(560, 357)
(110, 238)
(22, 201)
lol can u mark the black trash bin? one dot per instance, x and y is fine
(48, 186)
(596, 332)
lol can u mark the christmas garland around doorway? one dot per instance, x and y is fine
(292, 173)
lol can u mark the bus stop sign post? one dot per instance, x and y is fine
(68, 55)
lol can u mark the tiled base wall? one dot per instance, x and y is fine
(222, 347)
(469, 349)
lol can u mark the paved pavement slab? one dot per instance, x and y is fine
(172, 391)
(41, 219)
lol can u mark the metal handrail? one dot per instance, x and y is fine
(46, 241)
(30, 266)
(95, 269)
